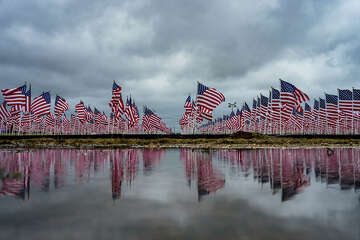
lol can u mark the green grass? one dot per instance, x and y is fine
(254, 141)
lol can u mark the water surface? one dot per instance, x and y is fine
(180, 194)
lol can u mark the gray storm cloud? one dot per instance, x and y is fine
(157, 50)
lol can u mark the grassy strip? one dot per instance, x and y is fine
(231, 142)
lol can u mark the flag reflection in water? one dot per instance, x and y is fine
(48, 170)
(285, 171)
(200, 165)
(289, 170)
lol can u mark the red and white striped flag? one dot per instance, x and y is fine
(15, 96)
(41, 104)
(4, 113)
(60, 106)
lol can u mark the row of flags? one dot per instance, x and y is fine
(207, 100)
(288, 110)
(20, 113)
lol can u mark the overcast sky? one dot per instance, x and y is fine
(158, 50)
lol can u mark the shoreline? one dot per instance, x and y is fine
(202, 142)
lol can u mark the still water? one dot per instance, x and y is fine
(180, 194)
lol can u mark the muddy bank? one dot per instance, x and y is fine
(231, 142)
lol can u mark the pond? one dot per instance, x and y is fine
(275, 193)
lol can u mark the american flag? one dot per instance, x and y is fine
(116, 90)
(60, 106)
(246, 111)
(345, 101)
(89, 114)
(66, 123)
(356, 100)
(294, 120)
(331, 107)
(188, 105)
(254, 111)
(316, 109)
(27, 107)
(97, 114)
(116, 103)
(150, 120)
(208, 99)
(41, 104)
(128, 112)
(81, 112)
(322, 112)
(4, 113)
(263, 106)
(204, 113)
(307, 113)
(291, 95)
(15, 96)
(275, 104)
(184, 120)
(50, 121)
(286, 111)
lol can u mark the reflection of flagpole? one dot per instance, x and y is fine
(354, 167)
(281, 168)
(352, 112)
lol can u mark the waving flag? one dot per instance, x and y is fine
(307, 113)
(116, 103)
(246, 111)
(81, 112)
(60, 106)
(4, 114)
(291, 95)
(322, 111)
(15, 96)
(41, 104)
(275, 104)
(356, 100)
(208, 99)
(131, 113)
(188, 105)
(345, 101)
(150, 120)
(263, 106)
(331, 108)
(27, 107)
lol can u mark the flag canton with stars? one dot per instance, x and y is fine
(275, 94)
(345, 94)
(332, 99)
(287, 87)
(316, 104)
(246, 107)
(322, 103)
(57, 99)
(46, 97)
(115, 86)
(23, 89)
(201, 89)
(264, 100)
(28, 93)
(356, 94)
